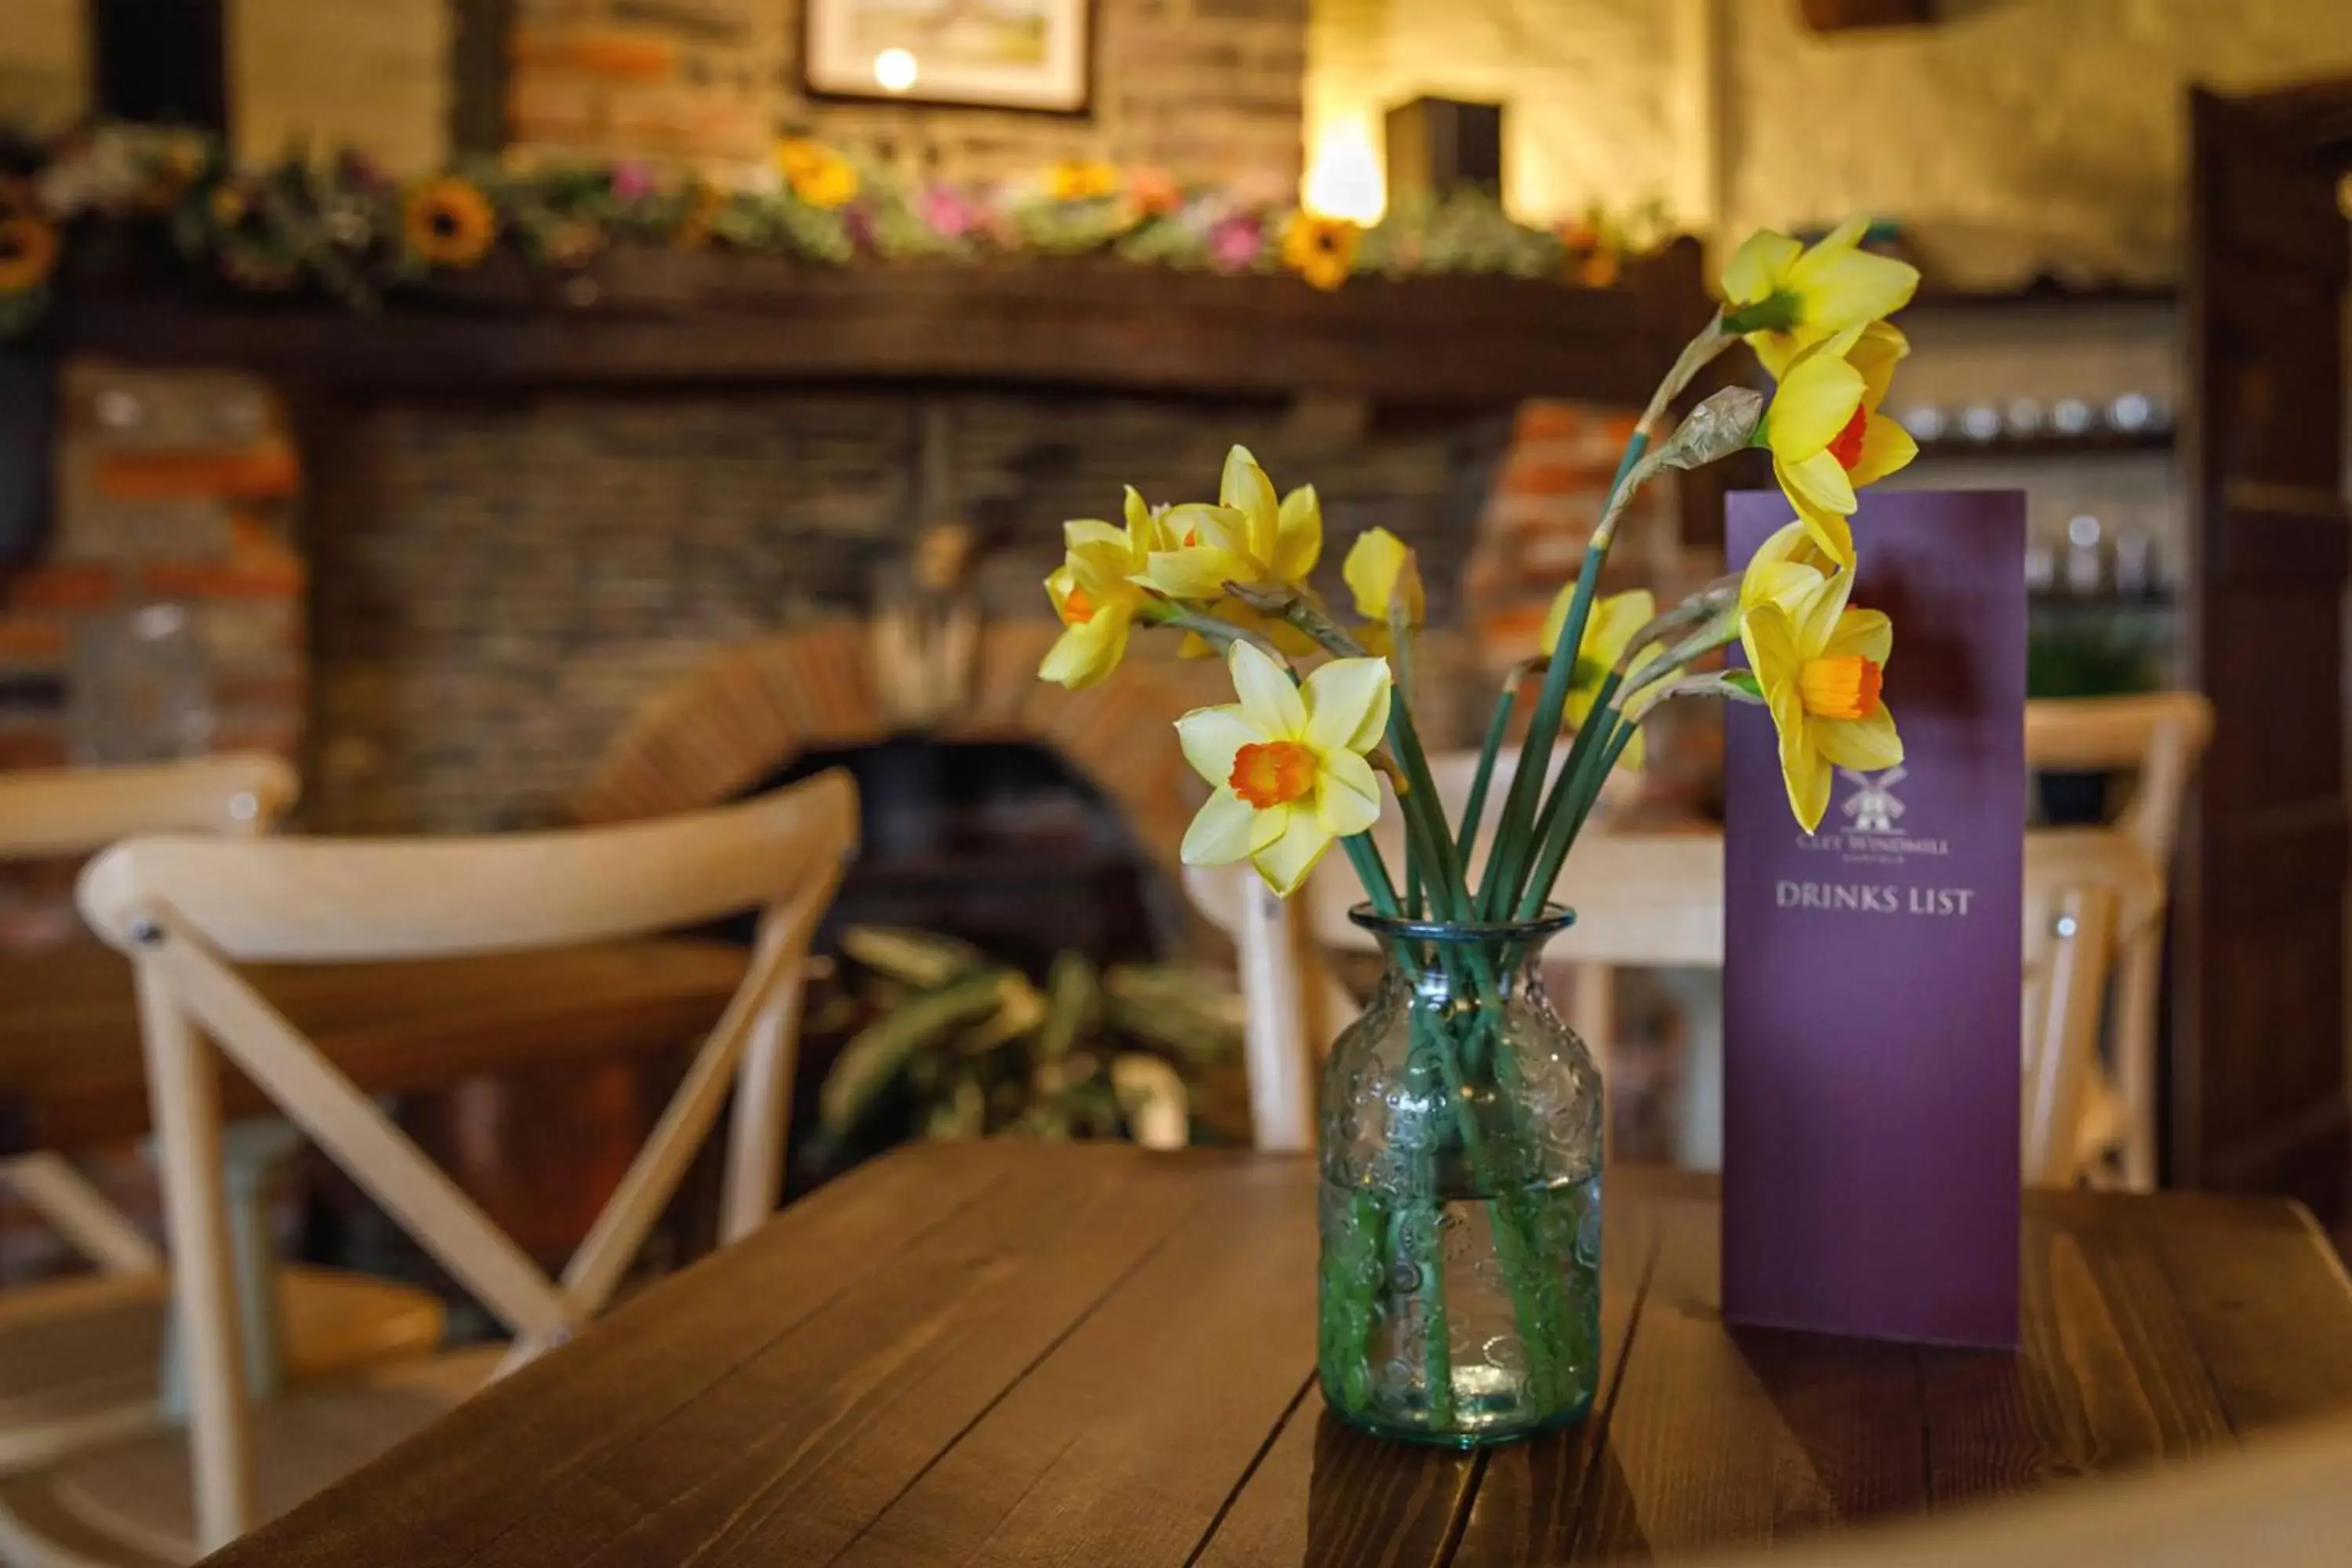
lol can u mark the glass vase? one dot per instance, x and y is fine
(1460, 1211)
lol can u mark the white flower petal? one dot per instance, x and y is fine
(1269, 702)
(1347, 705)
(1210, 737)
(1222, 832)
(1285, 862)
(1348, 798)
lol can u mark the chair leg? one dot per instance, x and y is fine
(182, 1082)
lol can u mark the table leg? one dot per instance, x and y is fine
(250, 1152)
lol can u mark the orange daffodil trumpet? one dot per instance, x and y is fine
(1825, 433)
(1821, 667)
(1285, 764)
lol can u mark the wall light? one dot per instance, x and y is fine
(894, 71)
(1345, 180)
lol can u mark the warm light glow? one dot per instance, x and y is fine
(1346, 180)
(895, 70)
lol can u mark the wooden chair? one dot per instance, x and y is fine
(84, 1355)
(1656, 900)
(189, 910)
(2160, 738)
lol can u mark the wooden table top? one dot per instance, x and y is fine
(72, 1074)
(1014, 1354)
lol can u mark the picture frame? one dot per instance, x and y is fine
(1035, 55)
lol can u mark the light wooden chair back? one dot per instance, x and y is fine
(57, 812)
(1656, 899)
(2158, 737)
(188, 910)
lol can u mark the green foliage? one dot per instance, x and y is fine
(949, 1044)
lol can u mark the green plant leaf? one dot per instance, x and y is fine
(876, 1054)
(1073, 1004)
(919, 958)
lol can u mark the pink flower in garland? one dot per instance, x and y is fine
(948, 212)
(1235, 242)
(632, 182)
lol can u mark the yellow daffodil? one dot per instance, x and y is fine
(1612, 624)
(1383, 574)
(1820, 666)
(1785, 568)
(1096, 596)
(1320, 249)
(1786, 297)
(1247, 538)
(816, 173)
(1826, 434)
(1288, 764)
(1082, 180)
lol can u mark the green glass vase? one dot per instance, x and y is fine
(1460, 1211)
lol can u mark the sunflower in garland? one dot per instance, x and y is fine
(1320, 249)
(449, 222)
(29, 250)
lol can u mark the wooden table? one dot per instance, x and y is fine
(1018, 1354)
(72, 1075)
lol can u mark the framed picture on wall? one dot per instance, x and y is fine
(994, 53)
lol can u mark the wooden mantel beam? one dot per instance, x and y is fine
(655, 318)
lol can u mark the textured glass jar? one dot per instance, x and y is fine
(1460, 1299)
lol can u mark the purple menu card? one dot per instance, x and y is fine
(1872, 990)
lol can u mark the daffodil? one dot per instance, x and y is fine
(1785, 297)
(1248, 538)
(1384, 576)
(1826, 434)
(1785, 569)
(1096, 596)
(1820, 666)
(1611, 624)
(1288, 764)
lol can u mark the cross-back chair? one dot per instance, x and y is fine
(84, 1357)
(2158, 738)
(189, 912)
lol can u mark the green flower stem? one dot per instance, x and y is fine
(1507, 865)
(1497, 727)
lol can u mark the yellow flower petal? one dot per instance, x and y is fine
(1286, 863)
(1195, 575)
(1374, 563)
(1818, 481)
(1863, 633)
(1084, 532)
(1866, 745)
(1886, 447)
(1814, 618)
(1842, 286)
(1298, 535)
(1348, 796)
(1830, 531)
(1815, 401)
(1756, 268)
(1141, 526)
(1210, 737)
(1245, 488)
(1876, 350)
(1347, 706)
(1224, 830)
(1803, 771)
(1085, 653)
(1269, 702)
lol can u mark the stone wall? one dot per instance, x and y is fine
(1201, 88)
(501, 585)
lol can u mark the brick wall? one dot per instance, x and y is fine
(500, 586)
(1201, 88)
(166, 613)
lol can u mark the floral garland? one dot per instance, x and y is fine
(342, 225)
